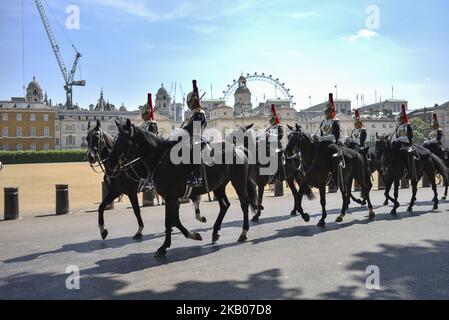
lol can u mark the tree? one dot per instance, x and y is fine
(421, 130)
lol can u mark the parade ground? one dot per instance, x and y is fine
(284, 257)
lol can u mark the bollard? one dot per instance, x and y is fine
(148, 198)
(62, 199)
(380, 182)
(425, 181)
(104, 192)
(405, 183)
(279, 189)
(11, 206)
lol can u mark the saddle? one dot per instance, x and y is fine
(329, 138)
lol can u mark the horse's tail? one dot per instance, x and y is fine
(307, 191)
(440, 167)
(251, 187)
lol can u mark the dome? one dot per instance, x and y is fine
(123, 108)
(242, 90)
(34, 84)
(162, 91)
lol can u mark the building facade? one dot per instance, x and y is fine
(27, 123)
(387, 107)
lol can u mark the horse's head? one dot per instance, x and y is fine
(237, 136)
(125, 143)
(296, 139)
(381, 146)
(95, 142)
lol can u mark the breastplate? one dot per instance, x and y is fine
(326, 127)
(401, 131)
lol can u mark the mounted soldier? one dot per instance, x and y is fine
(357, 138)
(197, 117)
(437, 133)
(149, 123)
(276, 131)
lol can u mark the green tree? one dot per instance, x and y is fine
(421, 130)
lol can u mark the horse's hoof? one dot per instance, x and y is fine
(242, 238)
(363, 203)
(305, 217)
(409, 209)
(261, 208)
(371, 215)
(293, 213)
(321, 224)
(393, 212)
(104, 234)
(435, 207)
(215, 237)
(160, 253)
(444, 198)
(203, 219)
(138, 236)
(196, 236)
(255, 219)
(339, 219)
(386, 203)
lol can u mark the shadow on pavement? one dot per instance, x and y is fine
(406, 272)
(263, 285)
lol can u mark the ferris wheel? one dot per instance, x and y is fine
(279, 86)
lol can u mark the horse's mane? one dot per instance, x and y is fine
(151, 138)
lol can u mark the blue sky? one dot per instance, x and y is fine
(130, 47)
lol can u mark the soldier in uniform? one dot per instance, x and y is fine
(276, 130)
(358, 134)
(195, 180)
(403, 134)
(330, 126)
(437, 133)
(149, 123)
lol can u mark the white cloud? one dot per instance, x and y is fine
(362, 34)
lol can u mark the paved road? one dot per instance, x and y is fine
(285, 258)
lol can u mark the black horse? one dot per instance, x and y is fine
(318, 163)
(289, 172)
(170, 179)
(396, 161)
(437, 149)
(126, 182)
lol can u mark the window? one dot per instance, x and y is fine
(32, 117)
(18, 116)
(18, 131)
(19, 147)
(5, 116)
(46, 147)
(32, 132)
(46, 132)
(70, 140)
(373, 126)
(33, 147)
(5, 147)
(5, 132)
(83, 127)
(57, 141)
(45, 117)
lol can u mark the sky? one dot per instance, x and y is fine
(130, 47)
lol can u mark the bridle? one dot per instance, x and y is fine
(96, 151)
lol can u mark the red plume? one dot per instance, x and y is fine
(150, 104)
(357, 114)
(273, 111)
(435, 117)
(331, 100)
(404, 112)
(195, 89)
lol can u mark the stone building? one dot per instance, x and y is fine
(27, 123)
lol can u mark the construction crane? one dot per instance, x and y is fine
(68, 77)
(183, 100)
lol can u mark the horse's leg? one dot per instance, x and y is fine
(111, 196)
(162, 251)
(291, 185)
(135, 203)
(240, 187)
(446, 187)
(345, 197)
(196, 204)
(298, 201)
(322, 222)
(435, 191)
(396, 195)
(177, 223)
(260, 191)
(388, 184)
(224, 203)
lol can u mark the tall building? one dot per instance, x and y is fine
(163, 102)
(27, 123)
(391, 106)
(242, 98)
